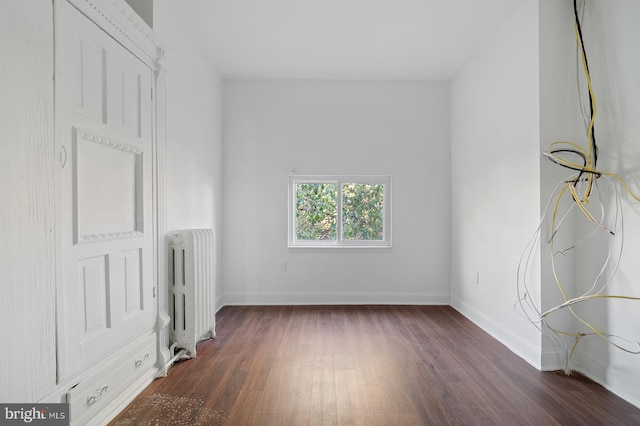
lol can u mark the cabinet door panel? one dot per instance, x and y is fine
(103, 107)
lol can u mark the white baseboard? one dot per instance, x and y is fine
(615, 380)
(553, 360)
(504, 335)
(219, 302)
(333, 298)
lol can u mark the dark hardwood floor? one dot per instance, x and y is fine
(365, 365)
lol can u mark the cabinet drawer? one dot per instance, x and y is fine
(97, 390)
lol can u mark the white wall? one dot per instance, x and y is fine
(335, 127)
(610, 32)
(27, 254)
(612, 37)
(193, 130)
(559, 121)
(495, 179)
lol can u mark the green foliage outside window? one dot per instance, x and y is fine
(316, 211)
(362, 211)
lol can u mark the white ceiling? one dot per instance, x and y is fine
(344, 39)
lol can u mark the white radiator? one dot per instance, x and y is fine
(191, 286)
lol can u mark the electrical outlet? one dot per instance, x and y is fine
(283, 266)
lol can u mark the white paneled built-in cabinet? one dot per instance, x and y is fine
(106, 76)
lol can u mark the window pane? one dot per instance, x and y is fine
(362, 211)
(316, 211)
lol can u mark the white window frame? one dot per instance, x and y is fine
(339, 180)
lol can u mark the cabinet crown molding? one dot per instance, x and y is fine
(119, 20)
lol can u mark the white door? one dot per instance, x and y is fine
(104, 135)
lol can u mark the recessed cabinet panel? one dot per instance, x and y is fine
(132, 281)
(108, 192)
(125, 94)
(92, 79)
(131, 103)
(94, 283)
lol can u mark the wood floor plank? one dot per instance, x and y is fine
(239, 414)
(268, 419)
(349, 405)
(324, 409)
(364, 365)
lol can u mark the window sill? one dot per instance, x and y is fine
(337, 246)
